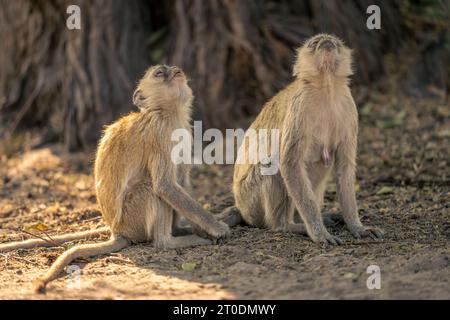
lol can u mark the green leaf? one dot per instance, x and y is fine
(385, 190)
(188, 266)
(367, 109)
(395, 121)
(350, 275)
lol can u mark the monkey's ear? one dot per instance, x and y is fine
(137, 98)
(295, 71)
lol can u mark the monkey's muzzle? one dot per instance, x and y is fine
(327, 45)
(176, 73)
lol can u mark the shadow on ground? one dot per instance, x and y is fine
(403, 187)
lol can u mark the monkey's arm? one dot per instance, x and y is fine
(345, 182)
(180, 226)
(166, 187)
(293, 171)
(345, 177)
(184, 177)
(345, 185)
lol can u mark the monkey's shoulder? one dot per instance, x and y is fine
(126, 136)
(122, 124)
(274, 111)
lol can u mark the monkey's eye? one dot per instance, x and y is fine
(159, 73)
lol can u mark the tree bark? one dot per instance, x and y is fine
(73, 80)
(237, 54)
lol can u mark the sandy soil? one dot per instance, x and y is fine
(403, 187)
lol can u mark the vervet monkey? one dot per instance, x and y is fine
(140, 191)
(318, 124)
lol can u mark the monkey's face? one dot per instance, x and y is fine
(323, 54)
(164, 85)
(166, 75)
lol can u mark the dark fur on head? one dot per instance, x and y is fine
(323, 54)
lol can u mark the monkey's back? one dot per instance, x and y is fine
(118, 162)
(272, 116)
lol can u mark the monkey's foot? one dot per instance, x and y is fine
(231, 216)
(363, 232)
(182, 242)
(214, 231)
(325, 238)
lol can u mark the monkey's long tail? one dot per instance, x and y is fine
(231, 216)
(54, 241)
(115, 243)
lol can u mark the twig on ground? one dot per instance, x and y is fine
(6, 256)
(93, 219)
(46, 240)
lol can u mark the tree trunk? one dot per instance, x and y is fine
(237, 53)
(73, 80)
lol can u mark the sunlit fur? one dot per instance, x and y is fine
(139, 189)
(318, 121)
(170, 96)
(312, 61)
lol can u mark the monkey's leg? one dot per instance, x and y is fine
(247, 197)
(299, 186)
(345, 180)
(160, 219)
(263, 203)
(231, 216)
(319, 176)
(181, 226)
(177, 198)
(293, 169)
(146, 217)
(138, 213)
(182, 242)
(163, 233)
(278, 208)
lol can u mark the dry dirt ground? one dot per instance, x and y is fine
(403, 187)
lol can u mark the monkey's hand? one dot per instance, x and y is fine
(362, 232)
(323, 237)
(216, 231)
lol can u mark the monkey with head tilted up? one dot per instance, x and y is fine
(318, 124)
(140, 190)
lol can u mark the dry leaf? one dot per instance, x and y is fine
(39, 226)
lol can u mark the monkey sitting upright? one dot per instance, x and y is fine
(139, 189)
(318, 124)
